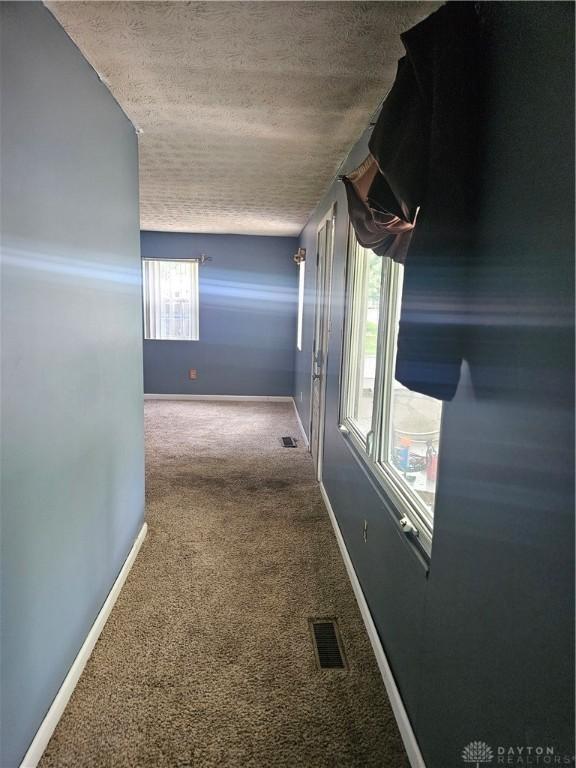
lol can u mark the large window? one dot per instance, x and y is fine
(396, 431)
(170, 291)
(301, 275)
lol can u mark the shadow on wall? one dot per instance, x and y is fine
(486, 637)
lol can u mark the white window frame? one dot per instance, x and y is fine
(412, 512)
(300, 322)
(151, 323)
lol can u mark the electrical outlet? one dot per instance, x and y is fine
(192, 373)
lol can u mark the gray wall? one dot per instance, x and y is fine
(72, 426)
(482, 646)
(248, 302)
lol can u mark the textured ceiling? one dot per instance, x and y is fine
(246, 108)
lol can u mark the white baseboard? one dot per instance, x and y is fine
(404, 725)
(40, 742)
(304, 435)
(255, 398)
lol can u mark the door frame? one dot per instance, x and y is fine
(322, 302)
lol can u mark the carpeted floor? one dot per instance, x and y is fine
(207, 658)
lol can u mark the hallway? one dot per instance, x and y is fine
(207, 657)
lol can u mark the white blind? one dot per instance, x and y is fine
(170, 291)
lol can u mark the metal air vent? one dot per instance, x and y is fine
(327, 644)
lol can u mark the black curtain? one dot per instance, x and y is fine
(424, 163)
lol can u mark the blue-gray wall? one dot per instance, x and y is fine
(72, 427)
(248, 301)
(482, 647)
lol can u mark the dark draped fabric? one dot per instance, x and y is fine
(426, 148)
(383, 232)
(399, 145)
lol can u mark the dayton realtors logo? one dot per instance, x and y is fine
(477, 752)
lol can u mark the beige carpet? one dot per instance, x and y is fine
(207, 659)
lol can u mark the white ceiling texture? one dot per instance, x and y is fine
(247, 109)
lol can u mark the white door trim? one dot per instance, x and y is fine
(48, 725)
(330, 216)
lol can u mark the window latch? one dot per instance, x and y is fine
(407, 526)
(369, 442)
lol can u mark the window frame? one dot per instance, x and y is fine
(410, 509)
(351, 318)
(194, 300)
(301, 298)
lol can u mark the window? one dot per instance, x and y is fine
(364, 319)
(301, 273)
(170, 290)
(396, 431)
